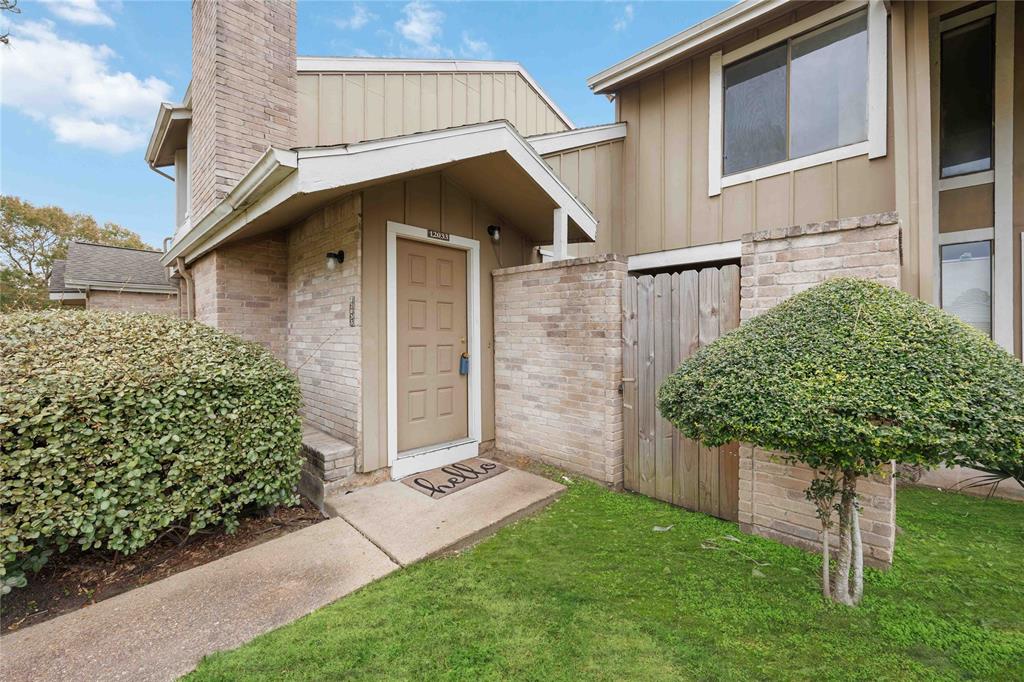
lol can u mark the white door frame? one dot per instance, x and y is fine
(444, 453)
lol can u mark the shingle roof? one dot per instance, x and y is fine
(100, 265)
(56, 283)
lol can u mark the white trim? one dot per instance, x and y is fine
(877, 95)
(90, 285)
(560, 232)
(803, 26)
(429, 458)
(166, 115)
(961, 181)
(1002, 148)
(678, 45)
(979, 234)
(827, 156)
(551, 143)
(705, 253)
(67, 296)
(398, 65)
(716, 125)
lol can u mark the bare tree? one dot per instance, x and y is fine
(8, 6)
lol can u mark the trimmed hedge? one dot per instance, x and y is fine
(115, 427)
(854, 373)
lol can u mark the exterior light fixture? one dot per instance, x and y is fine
(495, 233)
(334, 258)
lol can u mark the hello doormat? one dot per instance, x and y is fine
(444, 481)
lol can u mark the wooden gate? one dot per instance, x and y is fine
(666, 318)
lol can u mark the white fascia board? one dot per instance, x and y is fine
(164, 117)
(692, 38)
(552, 143)
(705, 253)
(398, 65)
(128, 287)
(67, 296)
(319, 168)
(273, 169)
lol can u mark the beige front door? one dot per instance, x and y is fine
(432, 336)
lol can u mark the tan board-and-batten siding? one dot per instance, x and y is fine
(338, 108)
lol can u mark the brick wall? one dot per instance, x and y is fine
(244, 91)
(242, 288)
(775, 265)
(558, 364)
(130, 301)
(323, 348)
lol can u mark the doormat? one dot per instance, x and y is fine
(452, 478)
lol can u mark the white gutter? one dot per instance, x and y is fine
(398, 65)
(705, 32)
(551, 143)
(96, 285)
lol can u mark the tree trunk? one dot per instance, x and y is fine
(857, 549)
(826, 588)
(841, 593)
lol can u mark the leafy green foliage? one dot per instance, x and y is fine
(587, 591)
(115, 427)
(849, 375)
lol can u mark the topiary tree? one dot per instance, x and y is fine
(846, 377)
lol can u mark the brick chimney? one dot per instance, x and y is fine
(244, 91)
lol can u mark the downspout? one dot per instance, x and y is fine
(190, 293)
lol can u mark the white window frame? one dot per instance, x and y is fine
(440, 454)
(1001, 175)
(878, 73)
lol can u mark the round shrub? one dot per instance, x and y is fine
(852, 374)
(116, 427)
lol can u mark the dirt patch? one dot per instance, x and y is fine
(75, 579)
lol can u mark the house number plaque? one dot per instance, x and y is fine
(443, 236)
(352, 311)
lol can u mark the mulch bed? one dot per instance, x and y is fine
(75, 579)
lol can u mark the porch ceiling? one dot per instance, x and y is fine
(491, 161)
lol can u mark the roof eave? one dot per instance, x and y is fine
(690, 40)
(166, 116)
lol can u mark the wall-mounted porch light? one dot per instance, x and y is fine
(495, 233)
(335, 258)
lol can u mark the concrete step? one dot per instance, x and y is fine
(409, 526)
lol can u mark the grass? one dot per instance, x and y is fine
(588, 590)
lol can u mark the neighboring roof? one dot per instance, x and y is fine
(98, 266)
(56, 282)
(399, 65)
(551, 143)
(490, 160)
(681, 44)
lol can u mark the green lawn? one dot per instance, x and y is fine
(588, 590)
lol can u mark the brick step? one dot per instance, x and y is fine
(326, 459)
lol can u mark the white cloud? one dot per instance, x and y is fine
(421, 28)
(86, 12)
(625, 19)
(474, 49)
(361, 16)
(73, 88)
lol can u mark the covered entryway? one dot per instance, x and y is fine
(666, 318)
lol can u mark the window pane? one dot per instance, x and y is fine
(967, 283)
(828, 87)
(755, 111)
(966, 98)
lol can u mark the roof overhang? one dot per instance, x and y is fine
(399, 65)
(489, 160)
(170, 133)
(84, 285)
(552, 143)
(691, 40)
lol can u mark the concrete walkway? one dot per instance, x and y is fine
(161, 631)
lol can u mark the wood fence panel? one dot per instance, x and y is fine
(666, 318)
(630, 440)
(663, 366)
(646, 388)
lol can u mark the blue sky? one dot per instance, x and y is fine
(80, 83)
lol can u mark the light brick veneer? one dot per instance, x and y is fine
(244, 91)
(323, 348)
(558, 364)
(133, 302)
(775, 265)
(242, 288)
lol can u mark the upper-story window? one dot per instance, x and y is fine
(806, 95)
(967, 98)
